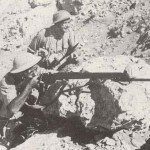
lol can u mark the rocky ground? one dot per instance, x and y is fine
(102, 115)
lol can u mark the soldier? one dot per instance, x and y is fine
(56, 40)
(22, 69)
(19, 93)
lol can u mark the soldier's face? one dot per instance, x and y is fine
(32, 72)
(65, 25)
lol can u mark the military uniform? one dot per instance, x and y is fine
(52, 40)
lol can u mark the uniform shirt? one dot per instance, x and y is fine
(54, 41)
(7, 94)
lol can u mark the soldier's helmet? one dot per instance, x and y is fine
(61, 15)
(24, 61)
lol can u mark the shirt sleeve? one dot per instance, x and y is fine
(7, 94)
(36, 42)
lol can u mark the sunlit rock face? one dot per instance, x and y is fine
(48, 141)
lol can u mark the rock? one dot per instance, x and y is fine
(3, 147)
(72, 6)
(35, 3)
(137, 140)
(81, 105)
(109, 141)
(76, 102)
(119, 143)
(68, 105)
(91, 146)
(48, 141)
(138, 70)
(123, 140)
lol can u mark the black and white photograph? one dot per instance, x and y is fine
(74, 74)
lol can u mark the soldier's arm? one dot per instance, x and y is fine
(36, 43)
(16, 104)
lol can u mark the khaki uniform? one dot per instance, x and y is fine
(7, 94)
(53, 41)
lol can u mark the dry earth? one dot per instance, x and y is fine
(107, 115)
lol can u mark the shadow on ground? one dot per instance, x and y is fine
(146, 146)
(74, 128)
(71, 127)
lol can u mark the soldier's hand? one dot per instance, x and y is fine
(72, 59)
(34, 82)
(54, 57)
(42, 52)
(73, 56)
(53, 71)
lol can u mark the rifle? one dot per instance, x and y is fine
(115, 76)
(64, 58)
(56, 64)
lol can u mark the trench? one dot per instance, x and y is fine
(72, 127)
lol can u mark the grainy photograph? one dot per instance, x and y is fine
(74, 74)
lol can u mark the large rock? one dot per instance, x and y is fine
(3, 147)
(48, 141)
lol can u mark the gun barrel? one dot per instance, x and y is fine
(86, 75)
(116, 76)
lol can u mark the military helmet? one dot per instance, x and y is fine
(61, 16)
(24, 61)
